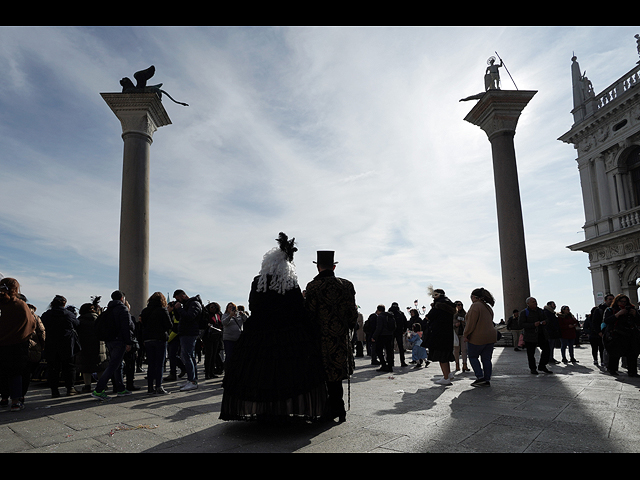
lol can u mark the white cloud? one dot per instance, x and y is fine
(350, 139)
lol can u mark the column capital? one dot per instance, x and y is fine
(140, 113)
(498, 111)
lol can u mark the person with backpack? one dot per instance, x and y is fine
(189, 312)
(116, 328)
(61, 345)
(400, 330)
(383, 338)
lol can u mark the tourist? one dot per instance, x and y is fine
(93, 356)
(173, 347)
(275, 372)
(16, 327)
(232, 321)
(533, 322)
(383, 337)
(594, 326)
(553, 329)
(331, 303)
(459, 346)
(621, 334)
(369, 328)
(62, 345)
(401, 328)
(212, 342)
(156, 327)
(418, 352)
(36, 346)
(568, 325)
(440, 334)
(514, 326)
(119, 341)
(360, 338)
(480, 336)
(189, 311)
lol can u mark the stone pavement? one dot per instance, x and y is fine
(577, 409)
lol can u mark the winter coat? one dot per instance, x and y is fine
(553, 325)
(17, 322)
(382, 325)
(62, 338)
(124, 326)
(37, 341)
(439, 327)
(93, 356)
(331, 306)
(531, 332)
(156, 322)
(232, 326)
(189, 315)
(479, 329)
(568, 325)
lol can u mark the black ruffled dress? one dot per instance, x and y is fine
(276, 369)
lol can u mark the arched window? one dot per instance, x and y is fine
(633, 167)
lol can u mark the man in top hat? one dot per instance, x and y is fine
(331, 304)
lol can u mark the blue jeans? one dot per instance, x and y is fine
(188, 356)
(564, 343)
(484, 353)
(117, 349)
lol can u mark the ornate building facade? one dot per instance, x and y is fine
(606, 136)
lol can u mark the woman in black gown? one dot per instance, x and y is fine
(276, 370)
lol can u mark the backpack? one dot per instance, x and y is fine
(391, 322)
(105, 326)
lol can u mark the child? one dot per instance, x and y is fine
(418, 352)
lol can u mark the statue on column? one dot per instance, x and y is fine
(141, 86)
(492, 75)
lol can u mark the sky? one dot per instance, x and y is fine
(349, 139)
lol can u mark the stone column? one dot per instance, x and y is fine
(497, 113)
(140, 114)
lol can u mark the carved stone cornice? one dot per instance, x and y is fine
(497, 111)
(139, 113)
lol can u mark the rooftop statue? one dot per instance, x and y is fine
(492, 75)
(491, 78)
(141, 86)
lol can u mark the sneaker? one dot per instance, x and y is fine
(444, 381)
(16, 407)
(189, 386)
(100, 395)
(124, 393)
(161, 391)
(480, 382)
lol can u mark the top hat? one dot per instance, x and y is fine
(325, 257)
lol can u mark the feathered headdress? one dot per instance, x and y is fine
(277, 263)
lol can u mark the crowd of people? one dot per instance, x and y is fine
(612, 329)
(446, 334)
(285, 357)
(289, 353)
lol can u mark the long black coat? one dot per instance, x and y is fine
(60, 325)
(440, 325)
(93, 357)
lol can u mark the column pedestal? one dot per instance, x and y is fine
(497, 113)
(140, 114)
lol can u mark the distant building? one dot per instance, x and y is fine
(606, 135)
